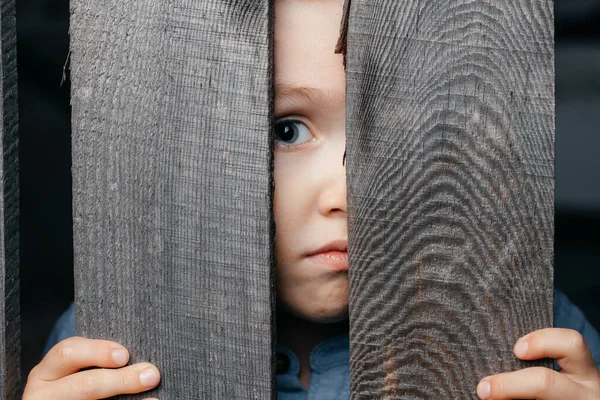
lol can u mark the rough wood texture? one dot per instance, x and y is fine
(172, 165)
(10, 344)
(450, 162)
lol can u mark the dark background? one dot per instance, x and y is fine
(46, 236)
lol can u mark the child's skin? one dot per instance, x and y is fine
(310, 212)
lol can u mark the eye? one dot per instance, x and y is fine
(291, 132)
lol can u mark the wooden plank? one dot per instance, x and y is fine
(10, 342)
(172, 187)
(450, 163)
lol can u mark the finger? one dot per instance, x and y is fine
(75, 353)
(103, 383)
(530, 383)
(565, 345)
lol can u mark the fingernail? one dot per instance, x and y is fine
(148, 377)
(119, 356)
(483, 390)
(521, 348)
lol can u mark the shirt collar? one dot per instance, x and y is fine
(326, 354)
(330, 353)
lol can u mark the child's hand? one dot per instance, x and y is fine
(58, 375)
(579, 378)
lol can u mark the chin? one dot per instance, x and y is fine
(322, 316)
(324, 303)
(331, 319)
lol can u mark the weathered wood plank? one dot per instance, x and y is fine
(450, 163)
(10, 343)
(172, 187)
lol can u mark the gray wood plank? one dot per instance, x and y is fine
(450, 163)
(172, 187)
(10, 342)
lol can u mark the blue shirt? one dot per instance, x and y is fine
(330, 359)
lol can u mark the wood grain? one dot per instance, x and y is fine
(172, 188)
(10, 342)
(450, 165)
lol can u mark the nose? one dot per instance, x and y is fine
(332, 198)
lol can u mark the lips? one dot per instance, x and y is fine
(336, 245)
(333, 255)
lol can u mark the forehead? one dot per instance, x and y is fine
(306, 33)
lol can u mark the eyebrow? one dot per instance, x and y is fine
(284, 92)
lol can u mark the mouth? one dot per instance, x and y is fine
(335, 246)
(334, 255)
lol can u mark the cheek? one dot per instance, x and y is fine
(291, 203)
(284, 198)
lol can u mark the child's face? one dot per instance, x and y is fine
(310, 180)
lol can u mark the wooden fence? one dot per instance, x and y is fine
(450, 150)
(10, 348)
(450, 175)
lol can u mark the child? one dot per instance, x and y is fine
(310, 213)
